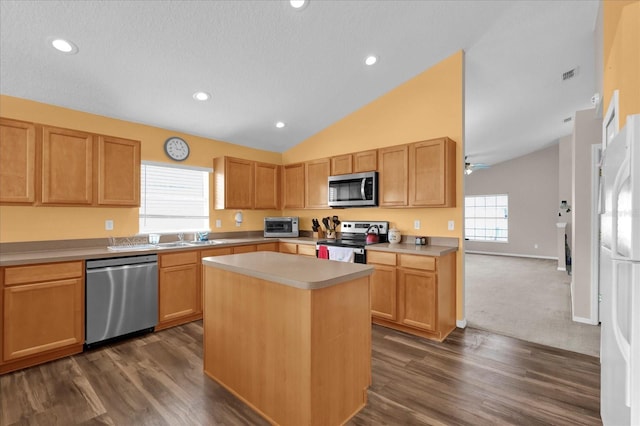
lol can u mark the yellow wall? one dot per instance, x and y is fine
(428, 106)
(26, 223)
(621, 46)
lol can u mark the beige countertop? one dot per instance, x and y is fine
(52, 251)
(306, 273)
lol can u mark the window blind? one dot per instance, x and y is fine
(173, 199)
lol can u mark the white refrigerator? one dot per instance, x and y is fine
(620, 278)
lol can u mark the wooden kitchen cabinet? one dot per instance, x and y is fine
(267, 186)
(267, 247)
(118, 172)
(17, 162)
(43, 313)
(432, 168)
(179, 288)
(365, 161)
(317, 183)
(384, 289)
(417, 295)
(290, 248)
(293, 186)
(342, 164)
(307, 250)
(67, 167)
(393, 176)
(234, 183)
(244, 249)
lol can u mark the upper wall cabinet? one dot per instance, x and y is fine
(67, 167)
(365, 161)
(118, 171)
(246, 184)
(394, 176)
(420, 174)
(293, 186)
(17, 161)
(317, 183)
(358, 162)
(234, 183)
(432, 179)
(267, 186)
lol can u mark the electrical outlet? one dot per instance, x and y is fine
(218, 223)
(108, 225)
(450, 225)
(416, 224)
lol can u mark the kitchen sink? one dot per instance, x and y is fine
(203, 243)
(172, 244)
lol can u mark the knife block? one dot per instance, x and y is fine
(318, 235)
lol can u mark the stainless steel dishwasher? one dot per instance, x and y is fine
(121, 297)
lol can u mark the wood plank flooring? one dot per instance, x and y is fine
(473, 378)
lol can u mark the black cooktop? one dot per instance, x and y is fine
(345, 243)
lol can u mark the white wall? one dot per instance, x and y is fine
(587, 131)
(531, 181)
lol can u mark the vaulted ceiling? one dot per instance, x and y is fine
(263, 62)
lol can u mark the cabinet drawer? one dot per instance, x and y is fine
(307, 250)
(381, 258)
(426, 263)
(38, 273)
(215, 252)
(267, 247)
(244, 249)
(288, 248)
(180, 258)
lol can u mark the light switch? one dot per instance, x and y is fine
(218, 223)
(416, 224)
(108, 225)
(450, 225)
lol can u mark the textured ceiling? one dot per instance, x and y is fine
(263, 62)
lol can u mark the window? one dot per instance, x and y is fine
(174, 199)
(487, 218)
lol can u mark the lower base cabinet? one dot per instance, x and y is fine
(43, 313)
(414, 293)
(180, 288)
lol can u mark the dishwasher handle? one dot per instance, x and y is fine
(122, 261)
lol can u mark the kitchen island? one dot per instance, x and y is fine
(289, 335)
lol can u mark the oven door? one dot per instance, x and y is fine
(341, 254)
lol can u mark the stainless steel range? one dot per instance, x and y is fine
(354, 236)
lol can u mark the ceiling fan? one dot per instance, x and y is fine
(470, 167)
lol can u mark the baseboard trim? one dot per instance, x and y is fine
(461, 323)
(511, 254)
(583, 320)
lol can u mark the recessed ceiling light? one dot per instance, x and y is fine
(280, 124)
(371, 60)
(298, 4)
(64, 46)
(201, 96)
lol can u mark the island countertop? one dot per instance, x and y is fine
(302, 272)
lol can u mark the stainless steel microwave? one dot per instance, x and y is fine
(281, 227)
(354, 190)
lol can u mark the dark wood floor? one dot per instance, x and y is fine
(474, 378)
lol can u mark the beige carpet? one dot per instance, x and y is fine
(525, 298)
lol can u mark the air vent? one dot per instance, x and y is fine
(566, 120)
(568, 75)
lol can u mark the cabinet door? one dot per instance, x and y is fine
(317, 183)
(288, 248)
(384, 292)
(234, 183)
(267, 186)
(393, 178)
(179, 292)
(418, 298)
(67, 167)
(293, 186)
(118, 171)
(17, 161)
(342, 165)
(432, 173)
(365, 161)
(307, 250)
(42, 317)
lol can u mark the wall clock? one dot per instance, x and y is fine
(176, 148)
